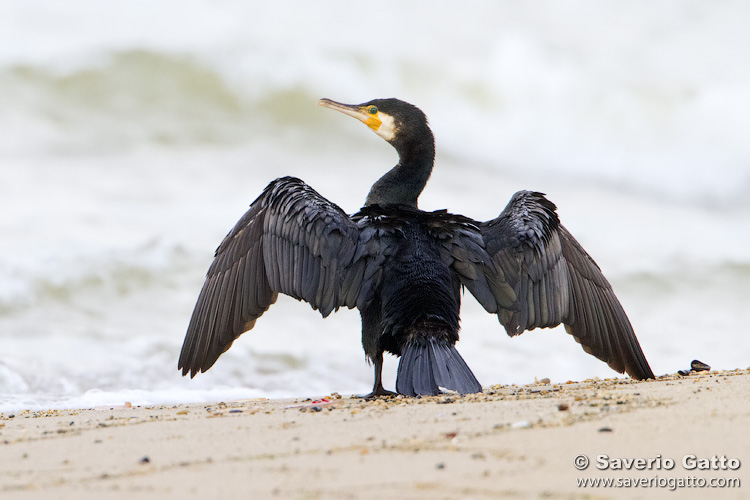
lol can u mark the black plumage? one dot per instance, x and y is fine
(404, 269)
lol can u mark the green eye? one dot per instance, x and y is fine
(373, 110)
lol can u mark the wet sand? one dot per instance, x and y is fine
(512, 442)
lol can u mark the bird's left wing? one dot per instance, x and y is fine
(292, 241)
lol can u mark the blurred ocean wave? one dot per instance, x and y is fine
(679, 141)
(134, 98)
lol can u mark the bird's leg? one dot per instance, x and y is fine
(377, 388)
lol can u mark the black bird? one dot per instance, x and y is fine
(404, 269)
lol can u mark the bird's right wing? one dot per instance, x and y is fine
(291, 241)
(532, 273)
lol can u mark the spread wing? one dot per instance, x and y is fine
(530, 271)
(291, 241)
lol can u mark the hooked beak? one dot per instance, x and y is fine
(354, 110)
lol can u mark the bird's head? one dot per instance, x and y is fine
(392, 119)
(405, 128)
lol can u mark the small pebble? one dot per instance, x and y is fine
(440, 466)
(145, 460)
(684, 373)
(605, 429)
(563, 407)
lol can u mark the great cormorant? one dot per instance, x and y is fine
(404, 269)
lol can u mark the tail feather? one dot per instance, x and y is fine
(427, 365)
(423, 379)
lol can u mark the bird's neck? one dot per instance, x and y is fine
(403, 184)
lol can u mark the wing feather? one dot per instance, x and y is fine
(291, 241)
(539, 276)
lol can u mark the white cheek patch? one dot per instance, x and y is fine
(387, 129)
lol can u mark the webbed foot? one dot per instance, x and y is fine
(378, 392)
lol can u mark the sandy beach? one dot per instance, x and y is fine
(509, 442)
